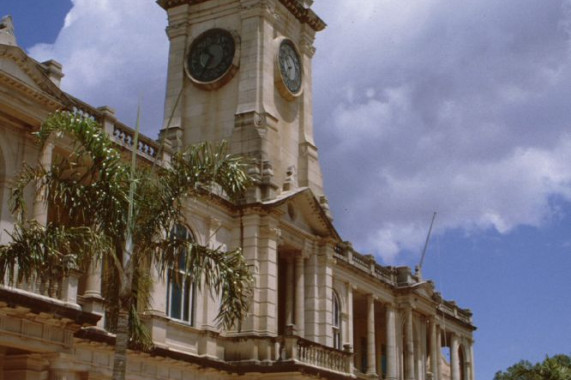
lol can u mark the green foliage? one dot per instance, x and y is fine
(557, 367)
(87, 191)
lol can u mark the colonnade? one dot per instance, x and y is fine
(404, 349)
(410, 337)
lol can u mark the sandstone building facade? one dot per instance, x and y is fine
(238, 70)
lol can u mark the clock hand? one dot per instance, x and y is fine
(291, 69)
(208, 59)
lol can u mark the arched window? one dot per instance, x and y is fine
(181, 294)
(336, 321)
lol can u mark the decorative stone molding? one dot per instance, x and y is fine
(253, 8)
(166, 4)
(7, 35)
(306, 47)
(40, 97)
(303, 14)
(176, 30)
(290, 182)
(247, 119)
(54, 71)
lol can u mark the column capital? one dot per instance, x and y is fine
(372, 296)
(406, 306)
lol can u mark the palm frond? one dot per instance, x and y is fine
(46, 252)
(204, 165)
(225, 273)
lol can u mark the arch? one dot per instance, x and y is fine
(336, 308)
(181, 289)
(464, 362)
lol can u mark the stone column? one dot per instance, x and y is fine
(409, 345)
(422, 359)
(434, 350)
(454, 358)
(392, 364)
(438, 353)
(40, 208)
(472, 375)
(92, 299)
(300, 296)
(467, 359)
(289, 291)
(349, 311)
(371, 354)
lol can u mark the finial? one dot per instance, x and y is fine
(7, 36)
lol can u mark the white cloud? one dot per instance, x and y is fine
(457, 108)
(420, 105)
(114, 53)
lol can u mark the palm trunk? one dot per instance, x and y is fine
(125, 292)
(122, 339)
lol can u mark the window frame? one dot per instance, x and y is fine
(336, 321)
(185, 291)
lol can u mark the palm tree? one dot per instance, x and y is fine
(556, 367)
(104, 210)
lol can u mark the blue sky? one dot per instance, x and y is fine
(419, 106)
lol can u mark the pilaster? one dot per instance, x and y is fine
(289, 291)
(300, 295)
(325, 294)
(348, 338)
(251, 225)
(260, 243)
(177, 33)
(313, 311)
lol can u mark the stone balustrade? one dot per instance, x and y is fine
(63, 289)
(123, 135)
(397, 277)
(323, 357)
(316, 355)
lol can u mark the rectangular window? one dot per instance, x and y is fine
(180, 298)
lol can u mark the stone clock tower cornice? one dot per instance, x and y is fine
(296, 7)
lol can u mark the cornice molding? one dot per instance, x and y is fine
(304, 15)
(42, 98)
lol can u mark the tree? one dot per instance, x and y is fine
(557, 367)
(102, 209)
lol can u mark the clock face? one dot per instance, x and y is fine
(290, 66)
(211, 56)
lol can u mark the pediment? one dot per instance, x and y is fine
(27, 76)
(302, 211)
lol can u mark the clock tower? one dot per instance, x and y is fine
(240, 70)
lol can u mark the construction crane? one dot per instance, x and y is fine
(418, 268)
